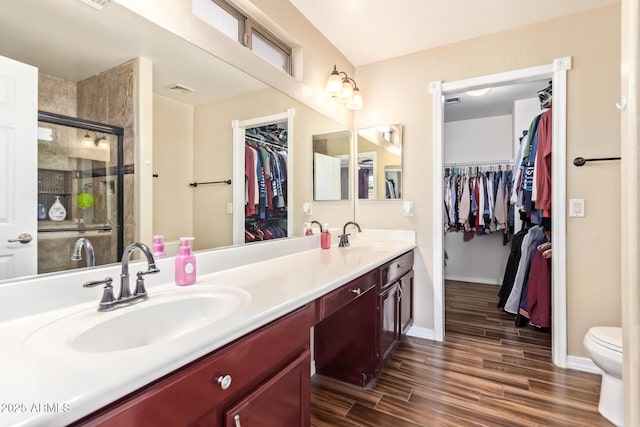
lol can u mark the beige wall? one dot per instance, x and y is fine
(173, 162)
(593, 129)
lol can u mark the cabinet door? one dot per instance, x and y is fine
(281, 401)
(388, 300)
(406, 302)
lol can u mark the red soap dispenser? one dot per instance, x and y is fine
(325, 237)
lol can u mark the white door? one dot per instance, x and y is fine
(18, 168)
(327, 179)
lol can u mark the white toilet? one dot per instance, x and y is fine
(604, 345)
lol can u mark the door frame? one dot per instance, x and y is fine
(557, 71)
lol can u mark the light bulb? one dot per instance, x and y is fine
(87, 140)
(356, 100)
(334, 83)
(347, 92)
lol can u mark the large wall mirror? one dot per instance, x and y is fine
(331, 166)
(89, 67)
(379, 175)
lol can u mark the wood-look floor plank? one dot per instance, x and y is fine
(365, 397)
(486, 372)
(365, 416)
(421, 415)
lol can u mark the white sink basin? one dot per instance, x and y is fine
(164, 316)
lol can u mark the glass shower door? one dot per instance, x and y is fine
(79, 191)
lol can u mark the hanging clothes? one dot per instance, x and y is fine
(265, 183)
(475, 199)
(534, 234)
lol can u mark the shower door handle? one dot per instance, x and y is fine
(24, 238)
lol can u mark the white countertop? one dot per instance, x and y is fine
(51, 385)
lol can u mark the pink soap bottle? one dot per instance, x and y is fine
(158, 247)
(325, 237)
(185, 263)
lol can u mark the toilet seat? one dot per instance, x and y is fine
(607, 336)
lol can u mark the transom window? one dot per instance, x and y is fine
(249, 33)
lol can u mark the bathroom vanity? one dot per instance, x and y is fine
(253, 362)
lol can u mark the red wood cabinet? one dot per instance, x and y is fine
(273, 356)
(281, 401)
(345, 339)
(395, 304)
(406, 302)
(388, 325)
(355, 335)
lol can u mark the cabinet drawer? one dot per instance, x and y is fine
(193, 391)
(396, 268)
(342, 296)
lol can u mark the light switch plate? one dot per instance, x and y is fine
(407, 208)
(576, 208)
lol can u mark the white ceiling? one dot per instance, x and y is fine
(368, 31)
(497, 102)
(76, 41)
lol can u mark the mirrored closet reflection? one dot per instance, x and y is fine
(497, 199)
(80, 190)
(266, 154)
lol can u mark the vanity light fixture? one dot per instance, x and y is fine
(342, 87)
(98, 141)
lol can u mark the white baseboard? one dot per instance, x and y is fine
(583, 364)
(482, 280)
(419, 332)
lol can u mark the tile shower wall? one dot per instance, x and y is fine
(108, 97)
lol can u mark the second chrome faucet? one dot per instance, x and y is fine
(344, 237)
(109, 301)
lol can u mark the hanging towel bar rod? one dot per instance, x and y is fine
(195, 184)
(580, 161)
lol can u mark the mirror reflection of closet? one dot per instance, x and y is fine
(380, 162)
(331, 161)
(262, 160)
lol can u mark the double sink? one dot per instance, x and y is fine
(170, 313)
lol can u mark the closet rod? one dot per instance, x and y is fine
(262, 141)
(487, 163)
(195, 184)
(580, 161)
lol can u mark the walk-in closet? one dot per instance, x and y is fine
(497, 205)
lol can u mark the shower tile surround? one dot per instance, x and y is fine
(106, 98)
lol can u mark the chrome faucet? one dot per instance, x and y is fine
(77, 251)
(125, 298)
(319, 225)
(344, 237)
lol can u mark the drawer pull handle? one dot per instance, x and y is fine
(237, 420)
(356, 291)
(224, 381)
